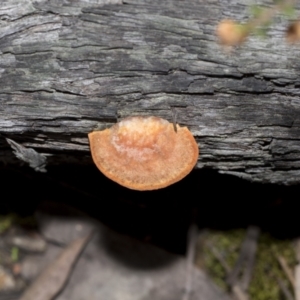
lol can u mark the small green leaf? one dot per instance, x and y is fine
(256, 10)
(6, 222)
(14, 255)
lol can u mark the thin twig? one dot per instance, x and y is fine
(297, 282)
(236, 289)
(286, 269)
(220, 258)
(245, 262)
(297, 270)
(239, 293)
(55, 276)
(287, 294)
(192, 237)
(174, 116)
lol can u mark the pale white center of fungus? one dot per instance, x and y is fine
(139, 138)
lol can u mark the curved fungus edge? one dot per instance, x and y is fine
(145, 187)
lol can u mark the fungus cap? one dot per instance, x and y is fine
(231, 33)
(144, 153)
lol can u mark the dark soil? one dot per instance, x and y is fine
(160, 217)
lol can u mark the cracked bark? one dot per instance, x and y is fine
(68, 67)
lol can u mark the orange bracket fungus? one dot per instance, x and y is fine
(144, 153)
(231, 33)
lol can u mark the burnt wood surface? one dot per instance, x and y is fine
(69, 67)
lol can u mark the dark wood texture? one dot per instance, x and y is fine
(68, 67)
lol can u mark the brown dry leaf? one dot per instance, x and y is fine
(53, 278)
(293, 32)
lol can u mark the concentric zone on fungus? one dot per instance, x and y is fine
(144, 153)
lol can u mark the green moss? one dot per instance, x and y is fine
(6, 222)
(228, 244)
(267, 271)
